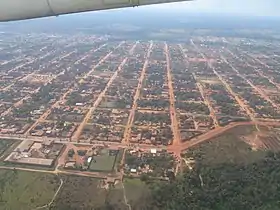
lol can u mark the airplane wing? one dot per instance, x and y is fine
(26, 9)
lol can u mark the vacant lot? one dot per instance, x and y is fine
(103, 162)
(26, 190)
(227, 148)
(80, 193)
(115, 198)
(137, 193)
(5, 144)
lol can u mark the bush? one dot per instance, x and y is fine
(71, 153)
(82, 152)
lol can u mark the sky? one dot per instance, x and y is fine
(242, 7)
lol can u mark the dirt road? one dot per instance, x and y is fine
(70, 89)
(228, 88)
(130, 120)
(77, 173)
(97, 102)
(172, 109)
(48, 111)
(203, 95)
(207, 102)
(270, 79)
(258, 90)
(214, 133)
(99, 99)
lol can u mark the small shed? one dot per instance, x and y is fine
(154, 151)
(133, 170)
(89, 159)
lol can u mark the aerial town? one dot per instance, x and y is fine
(129, 94)
(90, 105)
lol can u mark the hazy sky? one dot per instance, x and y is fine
(246, 7)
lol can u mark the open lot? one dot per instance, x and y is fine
(137, 197)
(227, 148)
(105, 161)
(79, 193)
(87, 193)
(26, 190)
(5, 144)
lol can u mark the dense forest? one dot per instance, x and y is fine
(225, 186)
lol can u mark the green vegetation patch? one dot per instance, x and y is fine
(224, 187)
(226, 148)
(137, 193)
(227, 174)
(5, 144)
(79, 193)
(115, 199)
(158, 165)
(105, 161)
(26, 190)
(87, 193)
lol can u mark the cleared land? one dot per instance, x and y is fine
(5, 144)
(227, 148)
(79, 193)
(26, 190)
(136, 198)
(103, 162)
(87, 193)
(115, 198)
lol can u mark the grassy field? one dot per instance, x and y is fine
(22, 190)
(5, 144)
(226, 148)
(115, 198)
(26, 190)
(136, 192)
(103, 162)
(85, 193)
(79, 193)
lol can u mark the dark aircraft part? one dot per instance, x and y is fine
(26, 9)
